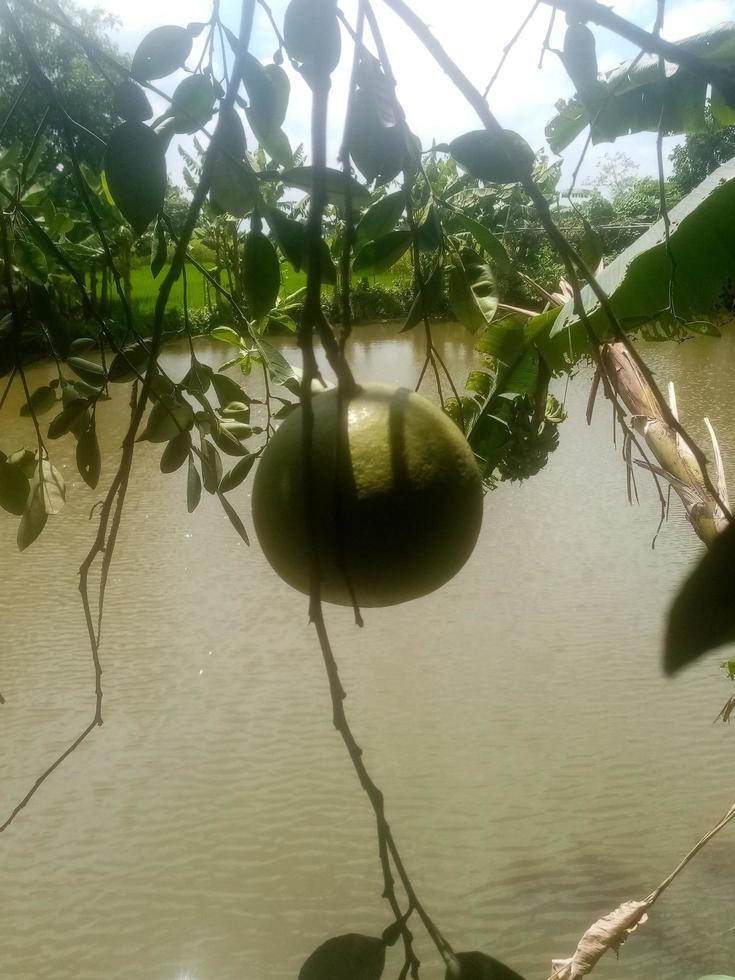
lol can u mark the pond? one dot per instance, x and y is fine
(537, 766)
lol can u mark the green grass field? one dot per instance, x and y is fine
(145, 287)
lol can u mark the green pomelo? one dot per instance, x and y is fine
(397, 519)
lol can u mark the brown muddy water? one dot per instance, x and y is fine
(537, 766)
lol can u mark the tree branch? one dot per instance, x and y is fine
(589, 10)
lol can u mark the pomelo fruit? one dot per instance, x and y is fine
(401, 516)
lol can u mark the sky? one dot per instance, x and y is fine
(474, 32)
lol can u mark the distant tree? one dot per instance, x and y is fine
(176, 206)
(701, 153)
(85, 94)
(641, 201)
(616, 173)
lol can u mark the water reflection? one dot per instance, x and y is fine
(537, 767)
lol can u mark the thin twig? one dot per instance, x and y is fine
(509, 47)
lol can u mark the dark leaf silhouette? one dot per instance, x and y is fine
(130, 102)
(135, 168)
(479, 966)
(161, 52)
(89, 459)
(350, 957)
(703, 614)
(311, 33)
(498, 159)
(14, 487)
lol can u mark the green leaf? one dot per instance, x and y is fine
(211, 464)
(281, 92)
(381, 254)
(430, 231)
(192, 103)
(234, 518)
(480, 382)
(487, 241)
(130, 102)
(498, 159)
(236, 427)
(262, 274)
(89, 459)
(25, 460)
(723, 112)
(312, 36)
(290, 237)
(240, 411)
(504, 340)
(227, 389)
(193, 487)
(376, 148)
(65, 421)
(702, 617)
(128, 364)
(237, 474)
(176, 452)
(227, 437)
(88, 371)
(571, 120)
(234, 184)
(702, 242)
(167, 418)
(159, 252)
(227, 335)
(160, 53)
(82, 344)
(48, 483)
(14, 488)
(272, 138)
(33, 520)
(523, 376)
(380, 218)
(135, 170)
(198, 378)
(302, 178)
(591, 247)
(279, 369)
(479, 966)
(580, 57)
(266, 100)
(629, 98)
(41, 401)
(424, 304)
(30, 260)
(11, 157)
(350, 957)
(472, 293)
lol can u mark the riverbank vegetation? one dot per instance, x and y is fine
(103, 258)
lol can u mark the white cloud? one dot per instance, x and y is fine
(687, 19)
